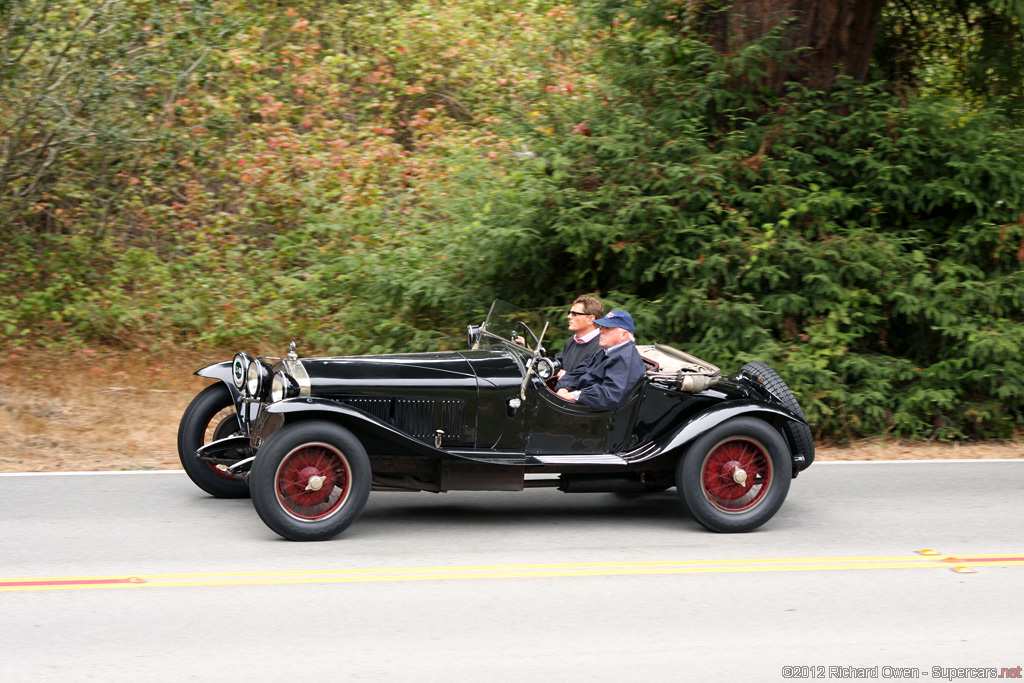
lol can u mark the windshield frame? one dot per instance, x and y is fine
(500, 324)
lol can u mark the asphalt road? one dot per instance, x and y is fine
(142, 577)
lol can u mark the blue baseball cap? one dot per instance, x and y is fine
(617, 319)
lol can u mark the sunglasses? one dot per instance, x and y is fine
(575, 313)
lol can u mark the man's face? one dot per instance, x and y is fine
(613, 336)
(579, 321)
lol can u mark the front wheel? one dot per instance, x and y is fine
(735, 476)
(310, 481)
(209, 417)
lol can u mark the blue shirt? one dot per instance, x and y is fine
(605, 378)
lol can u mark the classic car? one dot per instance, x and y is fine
(309, 438)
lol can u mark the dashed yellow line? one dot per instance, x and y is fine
(512, 571)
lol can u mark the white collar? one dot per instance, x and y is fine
(587, 337)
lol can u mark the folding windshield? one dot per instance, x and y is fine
(505, 322)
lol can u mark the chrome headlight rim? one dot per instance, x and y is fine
(240, 369)
(255, 379)
(473, 336)
(277, 388)
(547, 368)
(283, 386)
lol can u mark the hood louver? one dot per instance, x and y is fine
(419, 418)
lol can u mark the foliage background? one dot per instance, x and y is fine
(366, 177)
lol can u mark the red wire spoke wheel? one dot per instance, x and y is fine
(737, 474)
(221, 425)
(310, 480)
(313, 481)
(209, 417)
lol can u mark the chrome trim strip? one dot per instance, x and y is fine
(233, 469)
(234, 441)
(591, 459)
(296, 369)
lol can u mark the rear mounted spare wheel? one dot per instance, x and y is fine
(798, 434)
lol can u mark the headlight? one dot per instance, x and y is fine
(547, 367)
(254, 379)
(284, 386)
(239, 368)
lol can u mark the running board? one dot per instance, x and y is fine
(525, 459)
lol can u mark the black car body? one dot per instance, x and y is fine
(309, 438)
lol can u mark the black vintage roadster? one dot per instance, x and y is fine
(309, 438)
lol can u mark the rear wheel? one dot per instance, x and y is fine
(735, 477)
(209, 417)
(310, 481)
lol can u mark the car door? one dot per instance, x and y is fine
(560, 427)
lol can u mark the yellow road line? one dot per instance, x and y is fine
(507, 571)
(557, 565)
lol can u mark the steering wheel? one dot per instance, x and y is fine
(515, 332)
(538, 353)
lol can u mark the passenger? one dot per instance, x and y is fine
(584, 341)
(603, 380)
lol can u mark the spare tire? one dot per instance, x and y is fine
(798, 434)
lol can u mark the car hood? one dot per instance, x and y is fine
(350, 374)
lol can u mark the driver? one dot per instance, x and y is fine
(603, 380)
(584, 340)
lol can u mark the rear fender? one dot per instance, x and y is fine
(772, 414)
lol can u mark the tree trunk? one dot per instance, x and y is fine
(839, 33)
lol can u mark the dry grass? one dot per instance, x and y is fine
(94, 410)
(101, 410)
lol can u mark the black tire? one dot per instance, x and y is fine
(285, 492)
(207, 419)
(798, 434)
(708, 481)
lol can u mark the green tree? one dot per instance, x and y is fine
(972, 48)
(826, 38)
(866, 242)
(85, 88)
(976, 46)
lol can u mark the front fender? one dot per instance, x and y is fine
(707, 420)
(247, 410)
(222, 371)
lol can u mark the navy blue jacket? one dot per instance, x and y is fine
(605, 378)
